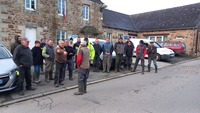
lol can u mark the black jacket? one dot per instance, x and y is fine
(23, 56)
(152, 52)
(97, 49)
(15, 44)
(70, 52)
(37, 55)
(129, 50)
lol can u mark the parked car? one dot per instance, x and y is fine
(7, 70)
(101, 42)
(162, 53)
(177, 47)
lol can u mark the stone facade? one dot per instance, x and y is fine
(15, 18)
(187, 36)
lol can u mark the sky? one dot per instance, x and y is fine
(141, 6)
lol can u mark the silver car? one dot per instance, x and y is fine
(7, 70)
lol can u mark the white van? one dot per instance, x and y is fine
(162, 53)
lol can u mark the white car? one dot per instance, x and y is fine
(162, 53)
(101, 42)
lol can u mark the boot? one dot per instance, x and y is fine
(47, 77)
(80, 89)
(134, 68)
(142, 69)
(156, 70)
(34, 77)
(85, 87)
(37, 78)
(51, 75)
(148, 69)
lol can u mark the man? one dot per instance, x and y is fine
(23, 58)
(48, 54)
(107, 55)
(119, 49)
(60, 59)
(132, 45)
(140, 53)
(83, 68)
(91, 48)
(98, 51)
(16, 43)
(152, 54)
(76, 47)
(71, 42)
(70, 62)
(129, 49)
(42, 44)
(37, 61)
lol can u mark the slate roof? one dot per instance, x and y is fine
(183, 17)
(97, 1)
(117, 20)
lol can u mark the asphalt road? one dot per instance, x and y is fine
(173, 89)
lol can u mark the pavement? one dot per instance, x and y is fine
(44, 89)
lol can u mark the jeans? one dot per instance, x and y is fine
(60, 70)
(25, 73)
(154, 62)
(107, 60)
(37, 69)
(128, 62)
(70, 65)
(96, 62)
(119, 58)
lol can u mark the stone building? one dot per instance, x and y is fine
(174, 24)
(57, 19)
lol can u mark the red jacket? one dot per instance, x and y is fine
(143, 49)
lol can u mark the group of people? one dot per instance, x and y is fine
(64, 54)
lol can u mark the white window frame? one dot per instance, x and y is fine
(62, 7)
(29, 8)
(155, 38)
(109, 35)
(179, 37)
(60, 34)
(85, 11)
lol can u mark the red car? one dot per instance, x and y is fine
(177, 47)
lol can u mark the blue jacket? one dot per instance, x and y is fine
(107, 47)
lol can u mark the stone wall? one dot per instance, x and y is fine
(189, 37)
(14, 18)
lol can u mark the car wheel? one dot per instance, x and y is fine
(158, 57)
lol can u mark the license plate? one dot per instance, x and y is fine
(1, 81)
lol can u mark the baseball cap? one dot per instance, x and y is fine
(83, 43)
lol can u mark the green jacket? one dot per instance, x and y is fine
(92, 51)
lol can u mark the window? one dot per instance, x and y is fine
(120, 35)
(30, 4)
(61, 7)
(85, 12)
(109, 35)
(157, 38)
(61, 35)
(179, 37)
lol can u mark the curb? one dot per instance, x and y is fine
(76, 86)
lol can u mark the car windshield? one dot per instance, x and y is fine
(4, 53)
(157, 45)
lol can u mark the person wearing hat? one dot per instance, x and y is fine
(91, 48)
(119, 50)
(141, 51)
(71, 42)
(83, 68)
(16, 43)
(23, 58)
(152, 54)
(42, 44)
